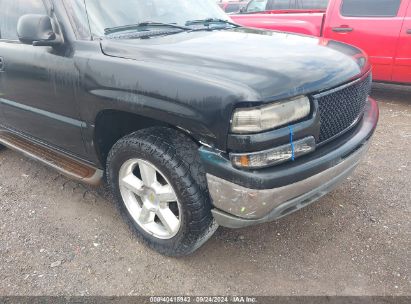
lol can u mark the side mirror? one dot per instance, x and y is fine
(243, 10)
(37, 30)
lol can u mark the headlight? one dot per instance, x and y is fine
(254, 120)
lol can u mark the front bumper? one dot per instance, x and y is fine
(239, 204)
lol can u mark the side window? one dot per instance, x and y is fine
(312, 4)
(257, 6)
(232, 8)
(12, 10)
(370, 8)
(281, 5)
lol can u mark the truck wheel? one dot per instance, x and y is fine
(161, 190)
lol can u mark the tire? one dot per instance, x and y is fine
(176, 159)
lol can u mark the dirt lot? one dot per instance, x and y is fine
(60, 237)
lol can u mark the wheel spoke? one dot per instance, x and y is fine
(146, 215)
(148, 174)
(168, 219)
(166, 194)
(133, 183)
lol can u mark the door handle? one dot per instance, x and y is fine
(342, 29)
(1, 64)
(409, 32)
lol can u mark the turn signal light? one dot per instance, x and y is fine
(273, 156)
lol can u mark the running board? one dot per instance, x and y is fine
(64, 164)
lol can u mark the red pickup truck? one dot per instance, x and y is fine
(382, 28)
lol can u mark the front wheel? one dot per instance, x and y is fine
(161, 189)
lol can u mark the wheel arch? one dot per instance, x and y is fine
(111, 125)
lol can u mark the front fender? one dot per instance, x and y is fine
(199, 106)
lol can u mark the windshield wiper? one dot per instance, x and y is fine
(137, 26)
(209, 21)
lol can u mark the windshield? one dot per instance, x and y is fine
(105, 14)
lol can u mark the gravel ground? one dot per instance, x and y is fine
(58, 237)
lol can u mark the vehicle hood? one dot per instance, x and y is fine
(263, 65)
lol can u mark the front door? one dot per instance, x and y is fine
(371, 25)
(402, 65)
(37, 84)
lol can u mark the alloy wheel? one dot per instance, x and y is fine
(150, 199)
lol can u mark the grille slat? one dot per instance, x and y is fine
(341, 108)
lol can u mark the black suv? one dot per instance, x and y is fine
(192, 120)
